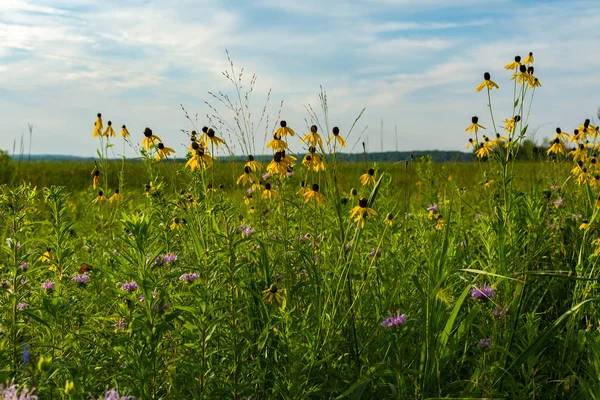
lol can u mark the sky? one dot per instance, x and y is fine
(412, 65)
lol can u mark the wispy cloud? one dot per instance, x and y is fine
(412, 63)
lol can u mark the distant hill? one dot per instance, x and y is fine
(390, 156)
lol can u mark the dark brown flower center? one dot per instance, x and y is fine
(362, 203)
(148, 132)
(283, 124)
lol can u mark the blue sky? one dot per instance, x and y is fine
(411, 64)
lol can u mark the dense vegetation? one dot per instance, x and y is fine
(312, 278)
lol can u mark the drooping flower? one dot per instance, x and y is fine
(253, 164)
(277, 144)
(100, 198)
(515, 64)
(389, 219)
(283, 130)
(361, 212)
(117, 196)
(268, 192)
(124, 132)
(313, 138)
(200, 159)
(248, 177)
(98, 127)
(368, 178)
(487, 82)
(314, 194)
(150, 139)
(163, 151)
(474, 127)
(273, 293)
(336, 136)
(209, 136)
(109, 130)
(529, 59)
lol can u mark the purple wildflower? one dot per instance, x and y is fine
(189, 277)
(462, 245)
(484, 343)
(482, 292)
(394, 321)
(113, 394)
(479, 217)
(120, 324)
(12, 393)
(130, 286)
(576, 216)
(48, 286)
(251, 190)
(266, 176)
(18, 245)
(4, 284)
(289, 174)
(555, 187)
(558, 202)
(26, 354)
(248, 231)
(24, 282)
(165, 258)
(141, 298)
(303, 272)
(553, 226)
(81, 279)
(498, 312)
(375, 253)
(24, 266)
(115, 252)
(22, 306)
(434, 207)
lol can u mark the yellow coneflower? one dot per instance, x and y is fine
(124, 132)
(576, 136)
(268, 192)
(439, 222)
(287, 160)
(303, 189)
(96, 180)
(208, 136)
(510, 124)
(487, 82)
(522, 76)
(561, 135)
(252, 210)
(253, 164)
(499, 140)
(314, 194)
(149, 138)
(109, 130)
(515, 64)
(584, 176)
(163, 151)
(586, 127)
(337, 137)
(98, 126)
(585, 225)
(247, 177)
(389, 219)
(361, 212)
(210, 188)
(529, 59)
(277, 144)
(200, 160)
(100, 198)
(283, 130)
(474, 127)
(534, 82)
(248, 199)
(46, 258)
(273, 293)
(368, 178)
(471, 143)
(117, 196)
(313, 138)
(488, 183)
(176, 224)
(277, 165)
(557, 147)
(313, 160)
(580, 152)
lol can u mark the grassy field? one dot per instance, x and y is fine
(411, 280)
